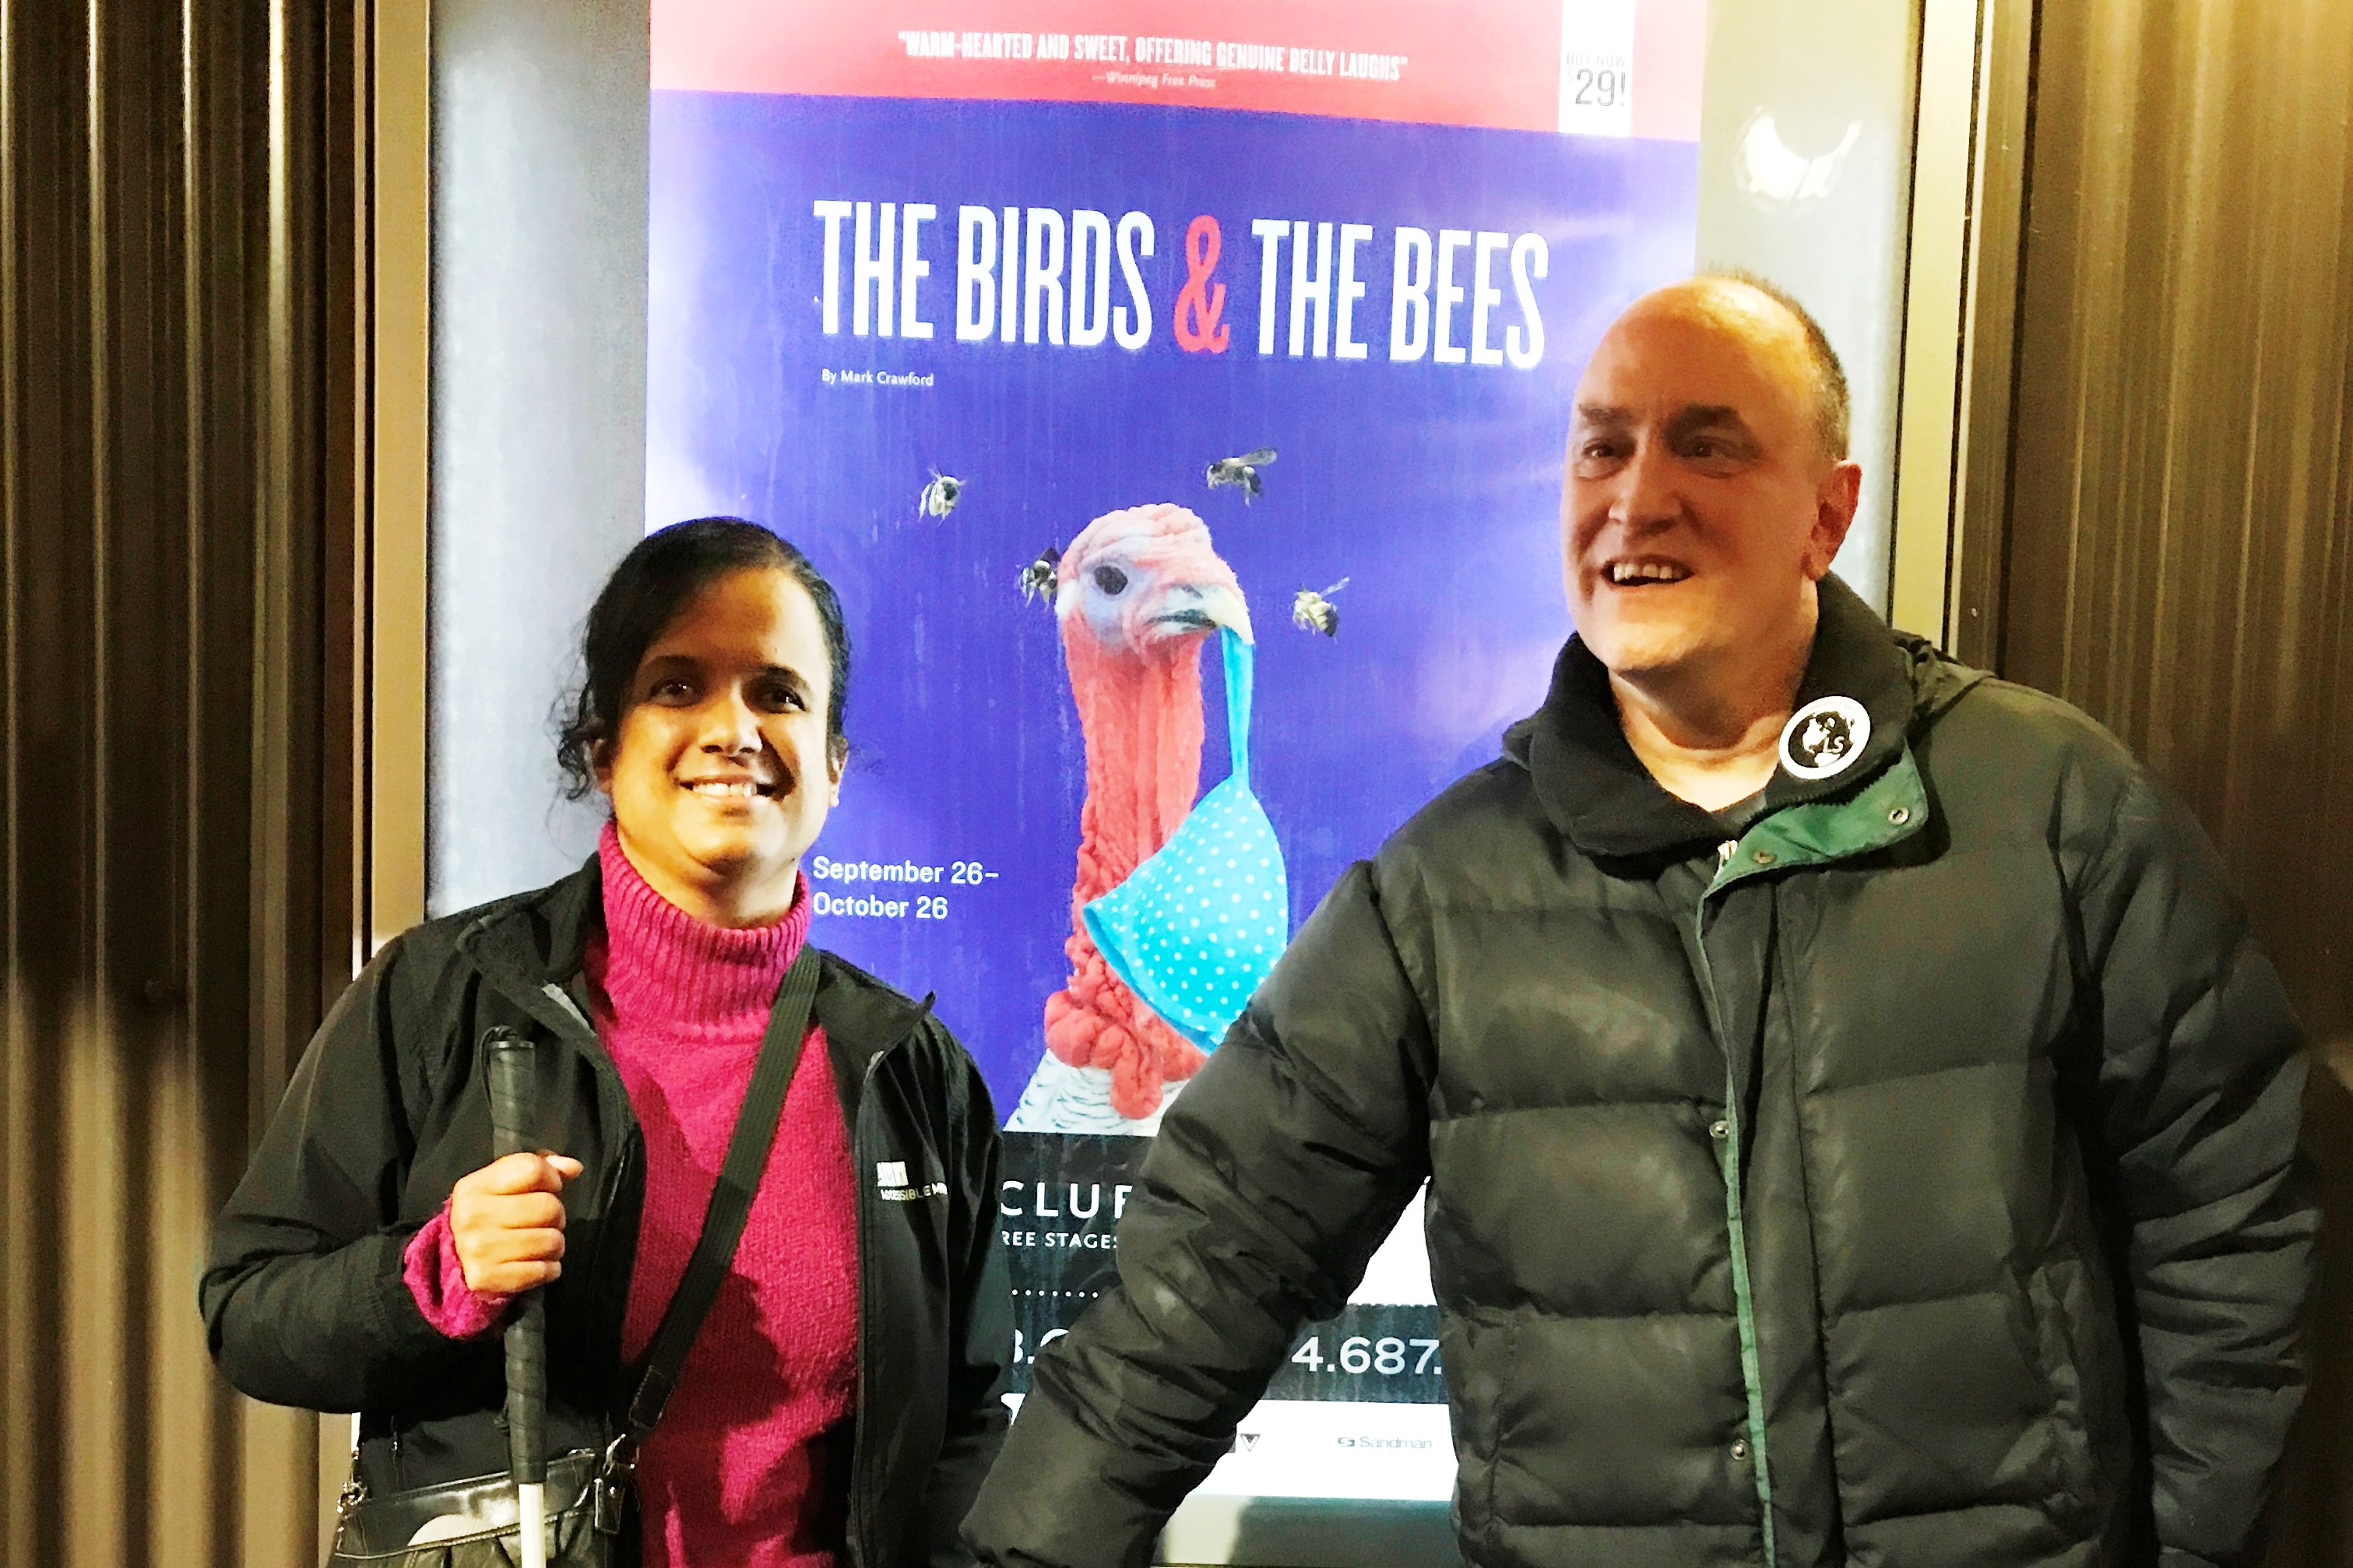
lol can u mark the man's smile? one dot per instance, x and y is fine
(1638, 571)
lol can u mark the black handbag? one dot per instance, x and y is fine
(475, 1522)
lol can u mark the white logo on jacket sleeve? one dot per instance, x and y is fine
(1825, 738)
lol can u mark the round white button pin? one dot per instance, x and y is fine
(1823, 739)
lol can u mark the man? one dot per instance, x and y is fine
(1858, 1124)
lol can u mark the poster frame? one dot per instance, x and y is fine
(1971, 142)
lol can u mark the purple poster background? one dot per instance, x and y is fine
(1431, 488)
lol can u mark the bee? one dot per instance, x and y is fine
(1314, 611)
(940, 497)
(1038, 577)
(1242, 471)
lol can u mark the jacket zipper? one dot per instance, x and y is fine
(862, 1490)
(1899, 794)
(1744, 1301)
(631, 1143)
(632, 1134)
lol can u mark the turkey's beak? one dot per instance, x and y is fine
(1204, 607)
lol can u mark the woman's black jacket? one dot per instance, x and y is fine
(305, 1304)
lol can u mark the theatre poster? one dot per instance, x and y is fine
(1176, 396)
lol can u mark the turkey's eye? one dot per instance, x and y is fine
(1110, 579)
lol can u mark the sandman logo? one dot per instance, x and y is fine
(1822, 739)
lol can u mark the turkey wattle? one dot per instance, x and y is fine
(1137, 594)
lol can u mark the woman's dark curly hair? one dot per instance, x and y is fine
(653, 582)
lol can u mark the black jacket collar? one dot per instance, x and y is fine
(1597, 792)
(533, 946)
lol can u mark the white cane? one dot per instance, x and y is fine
(512, 1086)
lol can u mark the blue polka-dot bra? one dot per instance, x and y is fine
(1195, 928)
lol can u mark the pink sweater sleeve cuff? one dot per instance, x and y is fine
(437, 1279)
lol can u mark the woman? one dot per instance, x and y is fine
(841, 1400)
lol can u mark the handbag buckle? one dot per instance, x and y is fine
(611, 1486)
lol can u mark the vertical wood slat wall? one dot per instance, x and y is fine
(2177, 555)
(181, 469)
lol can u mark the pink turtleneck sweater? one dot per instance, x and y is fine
(750, 1464)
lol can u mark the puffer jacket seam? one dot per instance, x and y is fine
(1865, 1086)
(1555, 1107)
(1984, 1292)
(1493, 1460)
(1799, 1133)
(1735, 1230)
(1257, 1039)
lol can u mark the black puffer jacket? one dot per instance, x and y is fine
(305, 1299)
(1907, 1182)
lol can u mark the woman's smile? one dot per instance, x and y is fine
(731, 789)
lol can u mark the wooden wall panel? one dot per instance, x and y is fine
(179, 526)
(2178, 554)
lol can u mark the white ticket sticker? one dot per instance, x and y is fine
(1596, 67)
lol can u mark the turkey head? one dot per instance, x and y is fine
(1137, 594)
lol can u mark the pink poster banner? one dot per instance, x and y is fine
(1622, 68)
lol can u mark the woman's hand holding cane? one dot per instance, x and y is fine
(506, 1221)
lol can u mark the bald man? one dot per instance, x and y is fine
(1858, 1126)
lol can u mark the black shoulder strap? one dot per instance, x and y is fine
(731, 1201)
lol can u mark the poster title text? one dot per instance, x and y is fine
(1076, 279)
